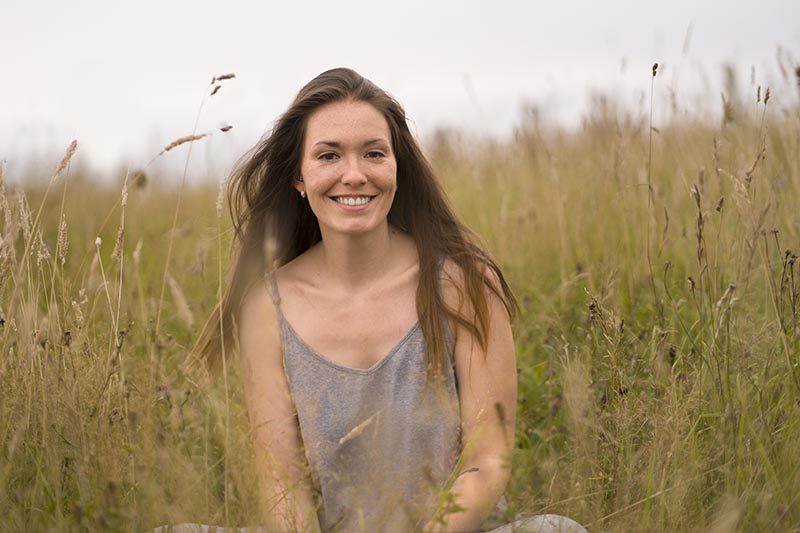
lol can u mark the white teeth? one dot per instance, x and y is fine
(349, 200)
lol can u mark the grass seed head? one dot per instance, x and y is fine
(24, 215)
(223, 77)
(116, 255)
(4, 207)
(62, 244)
(655, 69)
(65, 160)
(43, 253)
(182, 140)
(221, 197)
(77, 315)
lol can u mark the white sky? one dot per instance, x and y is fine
(125, 78)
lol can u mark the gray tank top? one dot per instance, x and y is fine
(379, 446)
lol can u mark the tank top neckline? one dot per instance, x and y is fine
(276, 297)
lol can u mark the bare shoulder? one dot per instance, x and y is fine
(454, 288)
(259, 333)
(452, 284)
(261, 359)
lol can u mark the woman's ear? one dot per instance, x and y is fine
(300, 186)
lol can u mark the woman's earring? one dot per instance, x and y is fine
(302, 194)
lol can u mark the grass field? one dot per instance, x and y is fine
(658, 343)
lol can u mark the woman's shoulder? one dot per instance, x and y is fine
(258, 326)
(454, 283)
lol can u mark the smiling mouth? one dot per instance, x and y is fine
(353, 200)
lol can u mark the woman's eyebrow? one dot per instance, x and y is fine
(335, 144)
(374, 141)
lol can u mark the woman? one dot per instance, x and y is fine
(374, 333)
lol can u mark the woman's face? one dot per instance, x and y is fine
(349, 171)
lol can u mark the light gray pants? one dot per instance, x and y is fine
(541, 523)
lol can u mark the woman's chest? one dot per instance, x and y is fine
(355, 333)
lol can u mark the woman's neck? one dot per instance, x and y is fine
(355, 261)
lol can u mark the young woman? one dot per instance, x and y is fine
(374, 332)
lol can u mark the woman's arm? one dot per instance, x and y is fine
(283, 469)
(487, 389)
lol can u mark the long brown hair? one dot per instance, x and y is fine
(273, 225)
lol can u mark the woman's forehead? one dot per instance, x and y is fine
(347, 121)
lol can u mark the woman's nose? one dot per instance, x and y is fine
(353, 173)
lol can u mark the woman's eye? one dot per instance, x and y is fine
(375, 155)
(327, 157)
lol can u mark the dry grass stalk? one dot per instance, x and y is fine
(221, 197)
(62, 244)
(77, 315)
(92, 277)
(24, 216)
(42, 254)
(10, 227)
(65, 160)
(180, 302)
(182, 140)
(116, 255)
(124, 196)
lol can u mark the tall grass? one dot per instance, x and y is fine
(658, 347)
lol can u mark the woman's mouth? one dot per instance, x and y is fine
(353, 200)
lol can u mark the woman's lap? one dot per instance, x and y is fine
(543, 523)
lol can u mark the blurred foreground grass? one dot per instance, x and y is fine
(658, 345)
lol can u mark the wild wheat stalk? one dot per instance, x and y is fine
(119, 255)
(650, 214)
(220, 199)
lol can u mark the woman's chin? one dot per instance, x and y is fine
(355, 228)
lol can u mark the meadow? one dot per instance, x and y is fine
(658, 342)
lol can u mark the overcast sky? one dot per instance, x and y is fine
(125, 78)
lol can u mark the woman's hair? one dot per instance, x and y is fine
(273, 225)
